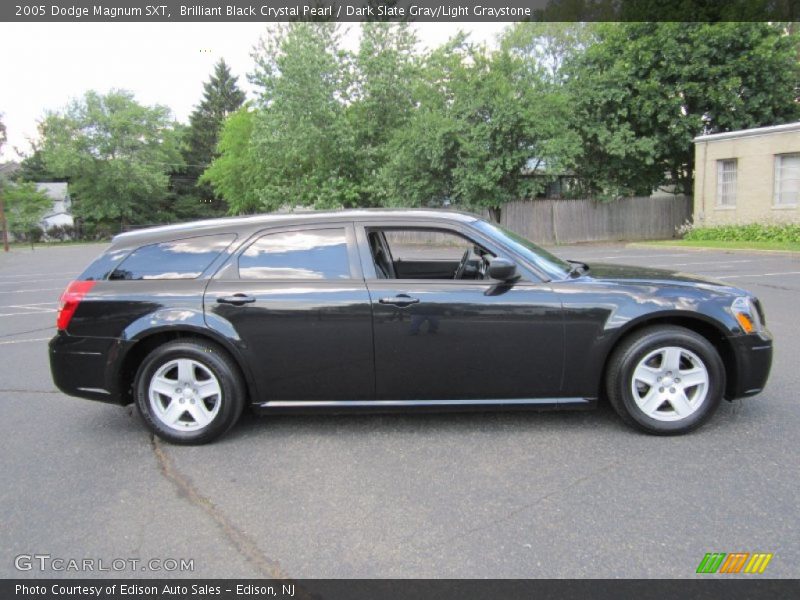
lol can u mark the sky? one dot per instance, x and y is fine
(44, 65)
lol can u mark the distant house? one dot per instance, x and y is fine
(60, 214)
(748, 176)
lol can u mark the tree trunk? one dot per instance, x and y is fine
(495, 212)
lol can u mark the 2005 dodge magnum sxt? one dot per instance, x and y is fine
(384, 310)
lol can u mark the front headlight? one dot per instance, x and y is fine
(746, 314)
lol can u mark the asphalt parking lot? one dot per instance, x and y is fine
(468, 496)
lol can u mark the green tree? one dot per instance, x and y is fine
(116, 155)
(386, 71)
(33, 167)
(235, 173)
(546, 47)
(25, 206)
(483, 120)
(221, 98)
(301, 137)
(645, 90)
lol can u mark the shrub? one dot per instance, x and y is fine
(755, 232)
(60, 232)
(32, 235)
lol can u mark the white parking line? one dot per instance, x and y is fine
(27, 304)
(64, 279)
(28, 275)
(758, 275)
(710, 262)
(33, 310)
(627, 256)
(23, 341)
(33, 290)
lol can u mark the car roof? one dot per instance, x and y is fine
(252, 223)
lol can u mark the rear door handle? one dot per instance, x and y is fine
(399, 300)
(236, 299)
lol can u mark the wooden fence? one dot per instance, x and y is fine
(566, 221)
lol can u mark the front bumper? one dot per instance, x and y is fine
(752, 355)
(80, 367)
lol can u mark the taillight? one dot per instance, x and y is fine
(68, 303)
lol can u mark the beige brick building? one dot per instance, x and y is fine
(748, 176)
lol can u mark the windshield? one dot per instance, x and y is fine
(553, 266)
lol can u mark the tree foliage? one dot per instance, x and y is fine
(382, 100)
(25, 206)
(116, 155)
(221, 98)
(485, 121)
(546, 47)
(235, 173)
(319, 129)
(615, 106)
(645, 90)
(301, 136)
(33, 167)
(385, 125)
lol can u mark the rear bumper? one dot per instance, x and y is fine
(753, 356)
(80, 367)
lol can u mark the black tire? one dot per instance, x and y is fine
(637, 347)
(207, 359)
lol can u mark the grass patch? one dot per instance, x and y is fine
(730, 245)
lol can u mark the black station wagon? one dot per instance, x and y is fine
(393, 310)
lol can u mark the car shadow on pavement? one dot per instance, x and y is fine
(426, 423)
(603, 421)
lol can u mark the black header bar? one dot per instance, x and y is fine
(733, 588)
(398, 10)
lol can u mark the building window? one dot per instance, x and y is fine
(787, 179)
(726, 182)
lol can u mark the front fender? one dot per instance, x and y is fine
(598, 317)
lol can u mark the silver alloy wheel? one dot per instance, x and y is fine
(670, 383)
(184, 395)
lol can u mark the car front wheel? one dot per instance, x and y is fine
(665, 380)
(189, 392)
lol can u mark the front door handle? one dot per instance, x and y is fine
(399, 300)
(236, 299)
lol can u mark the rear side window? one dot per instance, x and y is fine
(309, 254)
(178, 259)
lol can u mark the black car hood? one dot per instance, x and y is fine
(613, 272)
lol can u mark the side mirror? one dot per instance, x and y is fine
(502, 269)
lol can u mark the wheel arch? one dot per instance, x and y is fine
(713, 332)
(146, 343)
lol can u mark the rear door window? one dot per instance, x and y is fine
(303, 254)
(178, 259)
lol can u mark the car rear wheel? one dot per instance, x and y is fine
(665, 380)
(189, 392)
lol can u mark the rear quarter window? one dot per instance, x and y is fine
(177, 259)
(103, 265)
